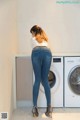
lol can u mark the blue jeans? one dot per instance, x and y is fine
(41, 61)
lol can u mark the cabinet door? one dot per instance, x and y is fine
(24, 81)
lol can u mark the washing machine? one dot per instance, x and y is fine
(55, 78)
(72, 81)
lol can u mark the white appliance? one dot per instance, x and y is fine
(55, 78)
(72, 81)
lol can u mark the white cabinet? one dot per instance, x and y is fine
(24, 83)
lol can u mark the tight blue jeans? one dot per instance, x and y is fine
(41, 60)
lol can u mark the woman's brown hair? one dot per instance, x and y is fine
(39, 33)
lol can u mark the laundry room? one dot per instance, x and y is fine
(60, 21)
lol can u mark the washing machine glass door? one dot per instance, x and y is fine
(74, 80)
(53, 79)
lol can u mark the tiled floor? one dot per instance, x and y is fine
(58, 114)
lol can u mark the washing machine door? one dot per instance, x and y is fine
(74, 80)
(53, 79)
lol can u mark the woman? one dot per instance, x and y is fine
(41, 61)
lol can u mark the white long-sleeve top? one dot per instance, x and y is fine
(36, 43)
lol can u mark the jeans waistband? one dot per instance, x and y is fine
(39, 47)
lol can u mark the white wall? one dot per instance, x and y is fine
(8, 47)
(60, 21)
